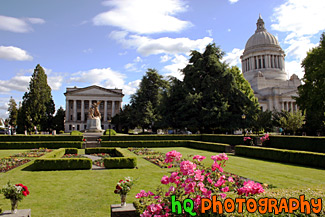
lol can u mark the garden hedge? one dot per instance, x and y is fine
(41, 144)
(122, 159)
(283, 155)
(217, 138)
(303, 143)
(62, 164)
(147, 144)
(71, 151)
(210, 146)
(53, 161)
(32, 138)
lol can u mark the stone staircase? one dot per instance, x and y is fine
(92, 140)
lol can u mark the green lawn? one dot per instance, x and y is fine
(90, 193)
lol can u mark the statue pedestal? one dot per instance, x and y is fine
(94, 125)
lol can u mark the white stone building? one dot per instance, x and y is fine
(79, 100)
(263, 65)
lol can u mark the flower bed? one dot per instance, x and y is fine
(143, 151)
(73, 156)
(33, 153)
(99, 162)
(10, 163)
(103, 155)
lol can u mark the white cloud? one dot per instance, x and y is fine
(165, 58)
(233, 1)
(105, 76)
(298, 47)
(148, 46)
(294, 67)
(131, 67)
(55, 82)
(300, 17)
(21, 25)
(14, 53)
(17, 83)
(233, 57)
(144, 16)
(89, 50)
(179, 62)
(131, 87)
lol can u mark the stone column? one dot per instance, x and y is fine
(82, 110)
(105, 111)
(74, 110)
(283, 63)
(282, 106)
(67, 110)
(113, 108)
(291, 107)
(89, 104)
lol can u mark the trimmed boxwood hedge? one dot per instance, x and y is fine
(32, 138)
(210, 146)
(303, 143)
(123, 160)
(71, 151)
(147, 144)
(53, 161)
(40, 144)
(62, 164)
(283, 155)
(217, 138)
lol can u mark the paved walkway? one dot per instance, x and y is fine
(93, 158)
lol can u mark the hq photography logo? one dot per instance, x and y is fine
(262, 205)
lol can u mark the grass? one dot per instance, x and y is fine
(90, 193)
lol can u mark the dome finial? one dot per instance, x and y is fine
(260, 24)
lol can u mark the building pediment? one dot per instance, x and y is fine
(94, 90)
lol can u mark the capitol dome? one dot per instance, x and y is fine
(261, 37)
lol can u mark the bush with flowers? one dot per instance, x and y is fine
(193, 180)
(124, 186)
(265, 139)
(248, 141)
(15, 191)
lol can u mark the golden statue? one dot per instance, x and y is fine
(94, 111)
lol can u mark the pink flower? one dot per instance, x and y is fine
(198, 176)
(165, 180)
(223, 196)
(225, 189)
(187, 167)
(173, 155)
(230, 179)
(247, 138)
(199, 158)
(250, 188)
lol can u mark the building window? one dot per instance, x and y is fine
(78, 116)
(71, 118)
(78, 127)
(70, 127)
(85, 126)
(262, 108)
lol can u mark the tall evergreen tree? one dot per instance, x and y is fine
(13, 112)
(58, 121)
(146, 100)
(38, 106)
(312, 93)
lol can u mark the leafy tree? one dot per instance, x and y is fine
(263, 121)
(216, 96)
(38, 106)
(292, 121)
(311, 97)
(146, 100)
(124, 120)
(13, 112)
(58, 121)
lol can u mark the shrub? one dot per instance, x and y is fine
(54, 154)
(40, 144)
(303, 143)
(100, 150)
(149, 144)
(76, 133)
(120, 162)
(62, 164)
(37, 138)
(113, 132)
(61, 132)
(71, 151)
(152, 137)
(283, 155)
(209, 146)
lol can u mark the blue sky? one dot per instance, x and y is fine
(113, 43)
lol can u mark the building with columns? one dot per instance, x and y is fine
(263, 65)
(79, 101)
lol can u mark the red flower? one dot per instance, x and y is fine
(121, 180)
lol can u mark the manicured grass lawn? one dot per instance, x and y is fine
(90, 192)
(7, 153)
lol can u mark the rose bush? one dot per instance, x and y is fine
(193, 180)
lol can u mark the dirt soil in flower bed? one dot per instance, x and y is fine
(10, 163)
(144, 151)
(33, 153)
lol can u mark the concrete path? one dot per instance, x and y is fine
(93, 158)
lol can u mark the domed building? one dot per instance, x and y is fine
(263, 66)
